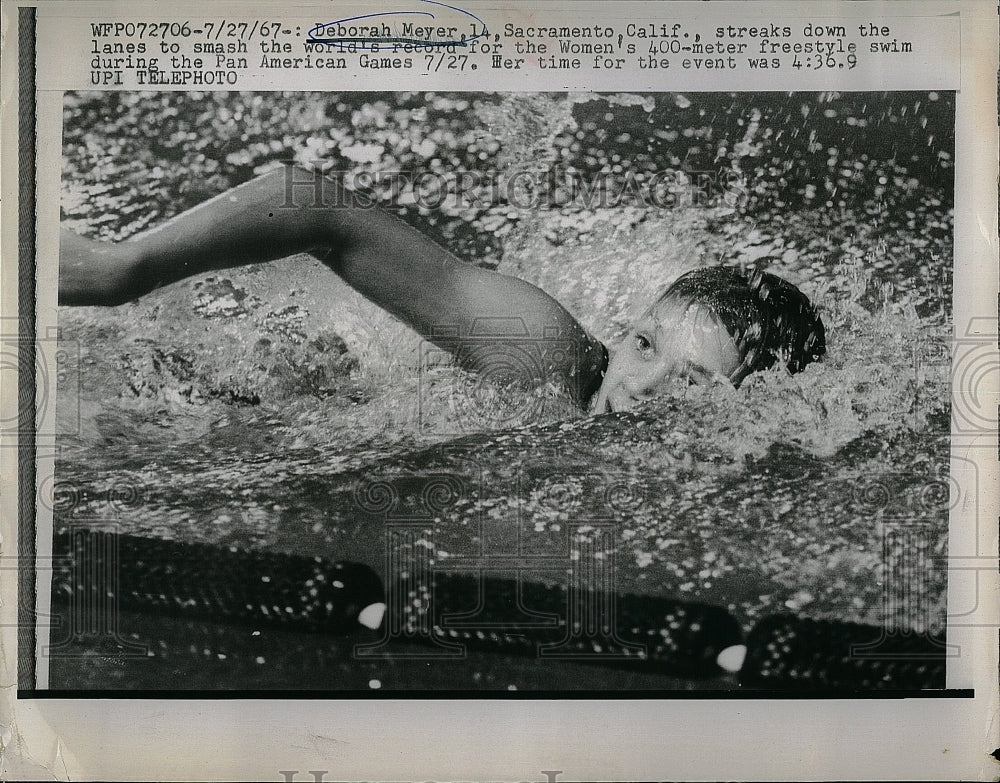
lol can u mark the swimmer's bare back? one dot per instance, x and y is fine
(487, 320)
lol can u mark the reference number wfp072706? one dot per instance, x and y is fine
(218, 53)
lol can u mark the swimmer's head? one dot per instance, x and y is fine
(712, 324)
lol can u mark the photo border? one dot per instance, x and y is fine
(487, 752)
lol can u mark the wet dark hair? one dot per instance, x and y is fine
(768, 318)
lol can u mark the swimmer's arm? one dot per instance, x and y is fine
(476, 314)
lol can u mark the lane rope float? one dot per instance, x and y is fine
(228, 585)
(684, 639)
(102, 568)
(786, 652)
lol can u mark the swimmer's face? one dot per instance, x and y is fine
(673, 341)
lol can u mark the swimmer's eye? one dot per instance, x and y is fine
(642, 343)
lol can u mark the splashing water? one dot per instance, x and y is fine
(257, 408)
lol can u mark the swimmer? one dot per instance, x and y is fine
(713, 324)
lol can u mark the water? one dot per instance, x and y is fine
(259, 422)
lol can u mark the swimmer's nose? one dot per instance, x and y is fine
(602, 404)
(616, 399)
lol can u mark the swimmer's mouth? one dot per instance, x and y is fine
(625, 403)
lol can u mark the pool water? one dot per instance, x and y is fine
(257, 406)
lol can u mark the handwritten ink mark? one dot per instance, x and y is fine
(373, 42)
